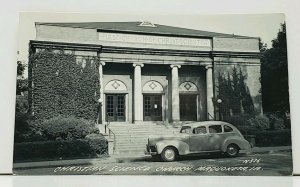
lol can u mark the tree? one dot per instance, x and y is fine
(235, 95)
(20, 68)
(274, 75)
(262, 46)
(22, 84)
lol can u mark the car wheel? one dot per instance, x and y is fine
(232, 150)
(168, 154)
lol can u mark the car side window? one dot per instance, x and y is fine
(200, 130)
(185, 129)
(215, 129)
(227, 128)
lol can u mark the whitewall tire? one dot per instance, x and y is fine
(169, 154)
(232, 150)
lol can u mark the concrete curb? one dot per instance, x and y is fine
(117, 158)
(268, 150)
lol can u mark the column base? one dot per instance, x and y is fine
(138, 121)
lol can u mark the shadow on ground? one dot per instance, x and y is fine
(180, 158)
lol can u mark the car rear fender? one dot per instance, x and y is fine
(240, 142)
(181, 146)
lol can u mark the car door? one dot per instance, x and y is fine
(228, 132)
(215, 137)
(198, 139)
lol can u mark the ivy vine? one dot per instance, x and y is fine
(64, 84)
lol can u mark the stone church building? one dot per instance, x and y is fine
(157, 73)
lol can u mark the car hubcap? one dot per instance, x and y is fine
(232, 150)
(169, 154)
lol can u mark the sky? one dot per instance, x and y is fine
(265, 26)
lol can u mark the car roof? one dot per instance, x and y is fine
(206, 123)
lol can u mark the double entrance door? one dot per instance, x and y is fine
(152, 107)
(115, 107)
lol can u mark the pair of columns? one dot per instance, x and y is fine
(175, 93)
(138, 96)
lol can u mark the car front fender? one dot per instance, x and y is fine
(182, 147)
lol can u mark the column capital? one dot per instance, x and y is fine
(208, 66)
(174, 65)
(134, 65)
(102, 63)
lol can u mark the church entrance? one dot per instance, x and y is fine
(188, 107)
(115, 107)
(152, 107)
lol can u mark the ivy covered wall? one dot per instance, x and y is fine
(63, 84)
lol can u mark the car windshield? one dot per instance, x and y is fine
(185, 129)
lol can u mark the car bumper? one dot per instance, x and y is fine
(150, 150)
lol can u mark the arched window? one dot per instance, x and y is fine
(153, 87)
(115, 85)
(188, 87)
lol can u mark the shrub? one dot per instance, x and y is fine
(21, 118)
(273, 138)
(25, 130)
(21, 123)
(249, 124)
(276, 121)
(96, 141)
(67, 128)
(64, 149)
(238, 120)
(260, 127)
(22, 103)
(259, 122)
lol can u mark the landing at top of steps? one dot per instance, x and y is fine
(148, 123)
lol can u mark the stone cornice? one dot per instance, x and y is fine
(145, 51)
(233, 54)
(65, 45)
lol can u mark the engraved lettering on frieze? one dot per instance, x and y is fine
(130, 38)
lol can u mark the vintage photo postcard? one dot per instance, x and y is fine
(152, 95)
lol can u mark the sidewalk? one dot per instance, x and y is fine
(267, 150)
(129, 158)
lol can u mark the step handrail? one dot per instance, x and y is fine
(211, 116)
(110, 132)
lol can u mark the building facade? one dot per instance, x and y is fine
(156, 73)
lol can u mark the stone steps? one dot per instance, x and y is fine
(137, 143)
(141, 129)
(134, 152)
(132, 138)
